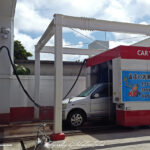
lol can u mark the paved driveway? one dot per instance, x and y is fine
(111, 139)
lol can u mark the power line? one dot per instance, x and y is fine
(129, 38)
(89, 38)
(105, 37)
(82, 34)
(109, 40)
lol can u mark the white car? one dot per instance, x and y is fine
(93, 102)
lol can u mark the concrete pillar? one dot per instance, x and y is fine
(58, 95)
(58, 81)
(6, 23)
(6, 39)
(37, 81)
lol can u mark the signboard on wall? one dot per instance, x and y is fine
(135, 86)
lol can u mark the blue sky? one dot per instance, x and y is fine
(32, 18)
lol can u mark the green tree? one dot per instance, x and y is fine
(20, 52)
(21, 70)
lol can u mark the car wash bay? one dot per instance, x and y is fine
(55, 28)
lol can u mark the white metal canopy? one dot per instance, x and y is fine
(73, 51)
(55, 28)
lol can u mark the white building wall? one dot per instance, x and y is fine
(4, 95)
(19, 99)
(6, 22)
(5, 67)
(7, 10)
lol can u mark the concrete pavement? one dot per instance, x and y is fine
(111, 139)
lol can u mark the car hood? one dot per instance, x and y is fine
(73, 99)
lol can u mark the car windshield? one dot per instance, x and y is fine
(88, 91)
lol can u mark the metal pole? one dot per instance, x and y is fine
(105, 36)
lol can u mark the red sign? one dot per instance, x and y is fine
(133, 52)
(125, 52)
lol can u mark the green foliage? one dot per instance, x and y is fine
(20, 52)
(21, 70)
(78, 61)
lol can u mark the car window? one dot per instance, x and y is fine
(88, 91)
(104, 91)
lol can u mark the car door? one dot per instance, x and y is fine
(99, 102)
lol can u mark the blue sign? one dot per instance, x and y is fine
(135, 86)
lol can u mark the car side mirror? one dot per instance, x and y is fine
(96, 95)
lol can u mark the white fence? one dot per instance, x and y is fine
(19, 99)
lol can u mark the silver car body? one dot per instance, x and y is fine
(97, 106)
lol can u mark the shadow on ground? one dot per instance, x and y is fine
(116, 145)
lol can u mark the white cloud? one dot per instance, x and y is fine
(29, 42)
(26, 40)
(29, 20)
(68, 7)
(126, 39)
(113, 44)
(143, 22)
(74, 57)
(140, 9)
(116, 11)
(35, 15)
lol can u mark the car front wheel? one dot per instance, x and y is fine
(76, 119)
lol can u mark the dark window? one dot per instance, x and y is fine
(104, 91)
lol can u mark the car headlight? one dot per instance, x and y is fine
(64, 106)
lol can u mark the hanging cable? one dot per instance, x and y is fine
(108, 40)
(76, 78)
(91, 39)
(130, 38)
(18, 78)
(25, 91)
